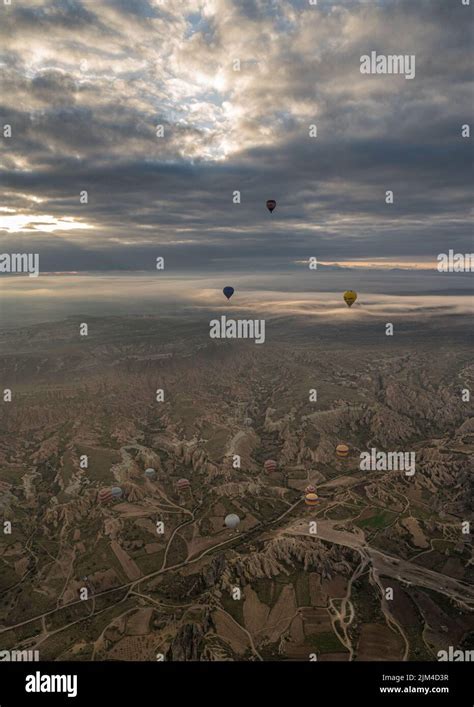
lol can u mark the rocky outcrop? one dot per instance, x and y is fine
(188, 643)
(283, 553)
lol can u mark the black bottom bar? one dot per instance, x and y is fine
(236, 684)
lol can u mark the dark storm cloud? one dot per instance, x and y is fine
(60, 13)
(87, 84)
(141, 8)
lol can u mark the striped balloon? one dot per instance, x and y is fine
(342, 450)
(311, 499)
(104, 495)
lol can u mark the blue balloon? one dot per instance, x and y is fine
(228, 291)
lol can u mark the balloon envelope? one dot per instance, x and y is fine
(271, 203)
(232, 520)
(150, 473)
(228, 291)
(350, 297)
(270, 465)
(104, 495)
(342, 450)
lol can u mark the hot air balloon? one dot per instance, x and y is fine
(104, 495)
(116, 492)
(311, 499)
(350, 297)
(183, 485)
(150, 473)
(228, 291)
(271, 203)
(270, 466)
(310, 489)
(232, 521)
(248, 421)
(342, 450)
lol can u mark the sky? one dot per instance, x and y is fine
(236, 87)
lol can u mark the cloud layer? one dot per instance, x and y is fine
(86, 85)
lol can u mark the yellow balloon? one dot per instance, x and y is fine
(350, 297)
(342, 450)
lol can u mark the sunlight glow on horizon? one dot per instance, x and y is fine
(27, 223)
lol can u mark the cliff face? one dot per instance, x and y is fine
(188, 643)
(283, 554)
(133, 492)
(438, 406)
(67, 515)
(212, 573)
